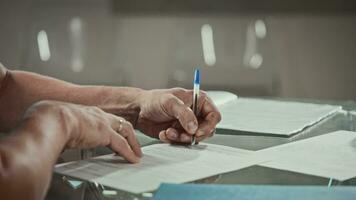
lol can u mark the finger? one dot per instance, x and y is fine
(210, 117)
(185, 138)
(176, 108)
(188, 99)
(207, 126)
(208, 107)
(201, 138)
(172, 134)
(124, 128)
(128, 132)
(163, 137)
(119, 145)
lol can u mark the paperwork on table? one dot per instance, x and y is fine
(252, 192)
(332, 155)
(160, 163)
(262, 116)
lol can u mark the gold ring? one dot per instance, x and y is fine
(121, 122)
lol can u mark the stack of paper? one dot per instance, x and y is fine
(268, 116)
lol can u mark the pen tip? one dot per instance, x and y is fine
(197, 76)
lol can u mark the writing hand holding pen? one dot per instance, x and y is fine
(167, 115)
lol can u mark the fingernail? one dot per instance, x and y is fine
(172, 135)
(185, 138)
(200, 133)
(192, 126)
(137, 160)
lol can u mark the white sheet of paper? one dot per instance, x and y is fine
(272, 117)
(221, 98)
(161, 163)
(331, 155)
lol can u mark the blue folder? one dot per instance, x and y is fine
(252, 192)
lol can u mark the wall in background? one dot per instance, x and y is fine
(287, 54)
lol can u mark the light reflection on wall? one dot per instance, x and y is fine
(208, 44)
(43, 45)
(260, 29)
(76, 37)
(252, 58)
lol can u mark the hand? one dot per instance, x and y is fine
(167, 114)
(89, 127)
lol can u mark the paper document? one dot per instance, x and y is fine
(221, 98)
(160, 163)
(332, 155)
(272, 117)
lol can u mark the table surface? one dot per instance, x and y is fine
(62, 187)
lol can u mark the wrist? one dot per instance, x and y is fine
(52, 117)
(122, 101)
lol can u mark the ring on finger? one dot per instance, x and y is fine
(121, 122)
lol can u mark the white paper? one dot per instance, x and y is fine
(221, 98)
(331, 155)
(161, 163)
(272, 117)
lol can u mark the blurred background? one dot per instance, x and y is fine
(281, 48)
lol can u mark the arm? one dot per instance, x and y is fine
(163, 114)
(28, 154)
(22, 89)
(19, 170)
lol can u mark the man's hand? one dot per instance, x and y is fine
(167, 114)
(89, 127)
(29, 152)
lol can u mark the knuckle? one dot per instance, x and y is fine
(128, 129)
(96, 109)
(218, 116)
(178, 90)
(43, 105)
(129, 125)
(186, 113)
(203, 94)
(215, 116)
(168, 100)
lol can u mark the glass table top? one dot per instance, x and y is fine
(69, 188)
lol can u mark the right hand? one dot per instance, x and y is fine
(89, 127)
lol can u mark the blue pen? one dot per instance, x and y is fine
(196, 97)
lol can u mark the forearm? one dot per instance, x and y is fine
(29, 154)
(23, 89)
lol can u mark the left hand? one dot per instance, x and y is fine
(167, 114)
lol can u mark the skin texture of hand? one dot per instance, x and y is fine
(167, 114)
(28, 154)
(91, 127)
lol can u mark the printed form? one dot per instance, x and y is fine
(160, 163)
